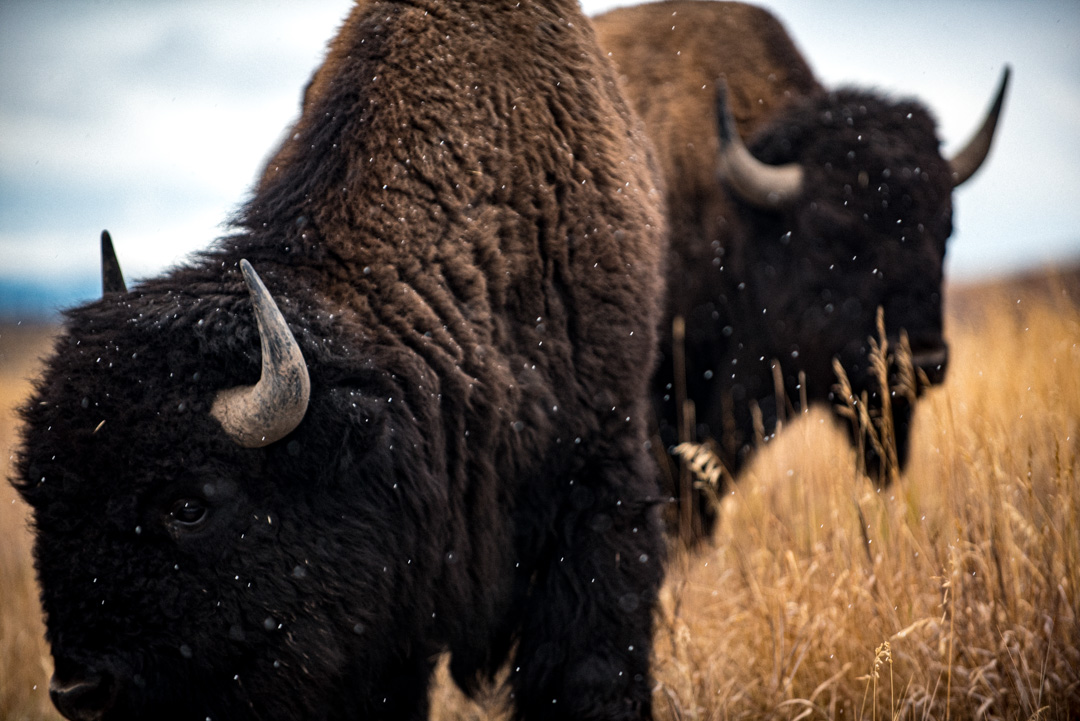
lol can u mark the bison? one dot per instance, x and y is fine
(400, 409)
(781, 254)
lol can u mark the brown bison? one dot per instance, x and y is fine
(400, 410)
(780, 254)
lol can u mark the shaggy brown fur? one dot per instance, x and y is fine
(670, 55)
(463, 233)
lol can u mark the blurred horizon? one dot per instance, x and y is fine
(152, 119)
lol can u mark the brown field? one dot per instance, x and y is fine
(953, 594)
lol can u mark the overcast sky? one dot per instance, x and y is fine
(152, 119)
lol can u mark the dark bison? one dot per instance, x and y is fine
(780, 257)
(427, 432)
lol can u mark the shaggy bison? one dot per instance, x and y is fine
(780, 257)
(400, 410)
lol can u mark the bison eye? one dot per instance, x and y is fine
(188, 513)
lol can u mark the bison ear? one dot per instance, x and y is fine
(767, 187)
(966, 162)
(112, 280)
(256, 416)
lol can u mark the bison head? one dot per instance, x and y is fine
(207, 519)
(847, 209)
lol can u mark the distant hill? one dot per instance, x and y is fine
(42, 300)
(1060, 284)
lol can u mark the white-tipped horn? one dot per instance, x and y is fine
(970, 158)
(764, 186)
(256, 416)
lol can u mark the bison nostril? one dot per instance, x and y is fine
(83, 698)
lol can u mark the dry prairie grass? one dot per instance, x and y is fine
(25, 664)
(952, 594)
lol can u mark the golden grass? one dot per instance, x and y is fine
(952, 594)
(25, 663)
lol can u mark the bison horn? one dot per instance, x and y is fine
(964, 164)
(256, 416)
(763, 186)
(112, 280)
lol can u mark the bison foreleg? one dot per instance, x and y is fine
(586, 639)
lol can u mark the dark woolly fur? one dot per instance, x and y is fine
(800, 286)
(463, 234)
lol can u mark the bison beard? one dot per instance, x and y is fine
(461, 239)
(780, 257)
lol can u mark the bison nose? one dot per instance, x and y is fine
(932, 360)
(83, 697)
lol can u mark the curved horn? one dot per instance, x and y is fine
(764, 186)
(256, 416)
(964, 164)
(112, 280)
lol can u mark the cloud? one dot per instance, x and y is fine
(151, 119)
